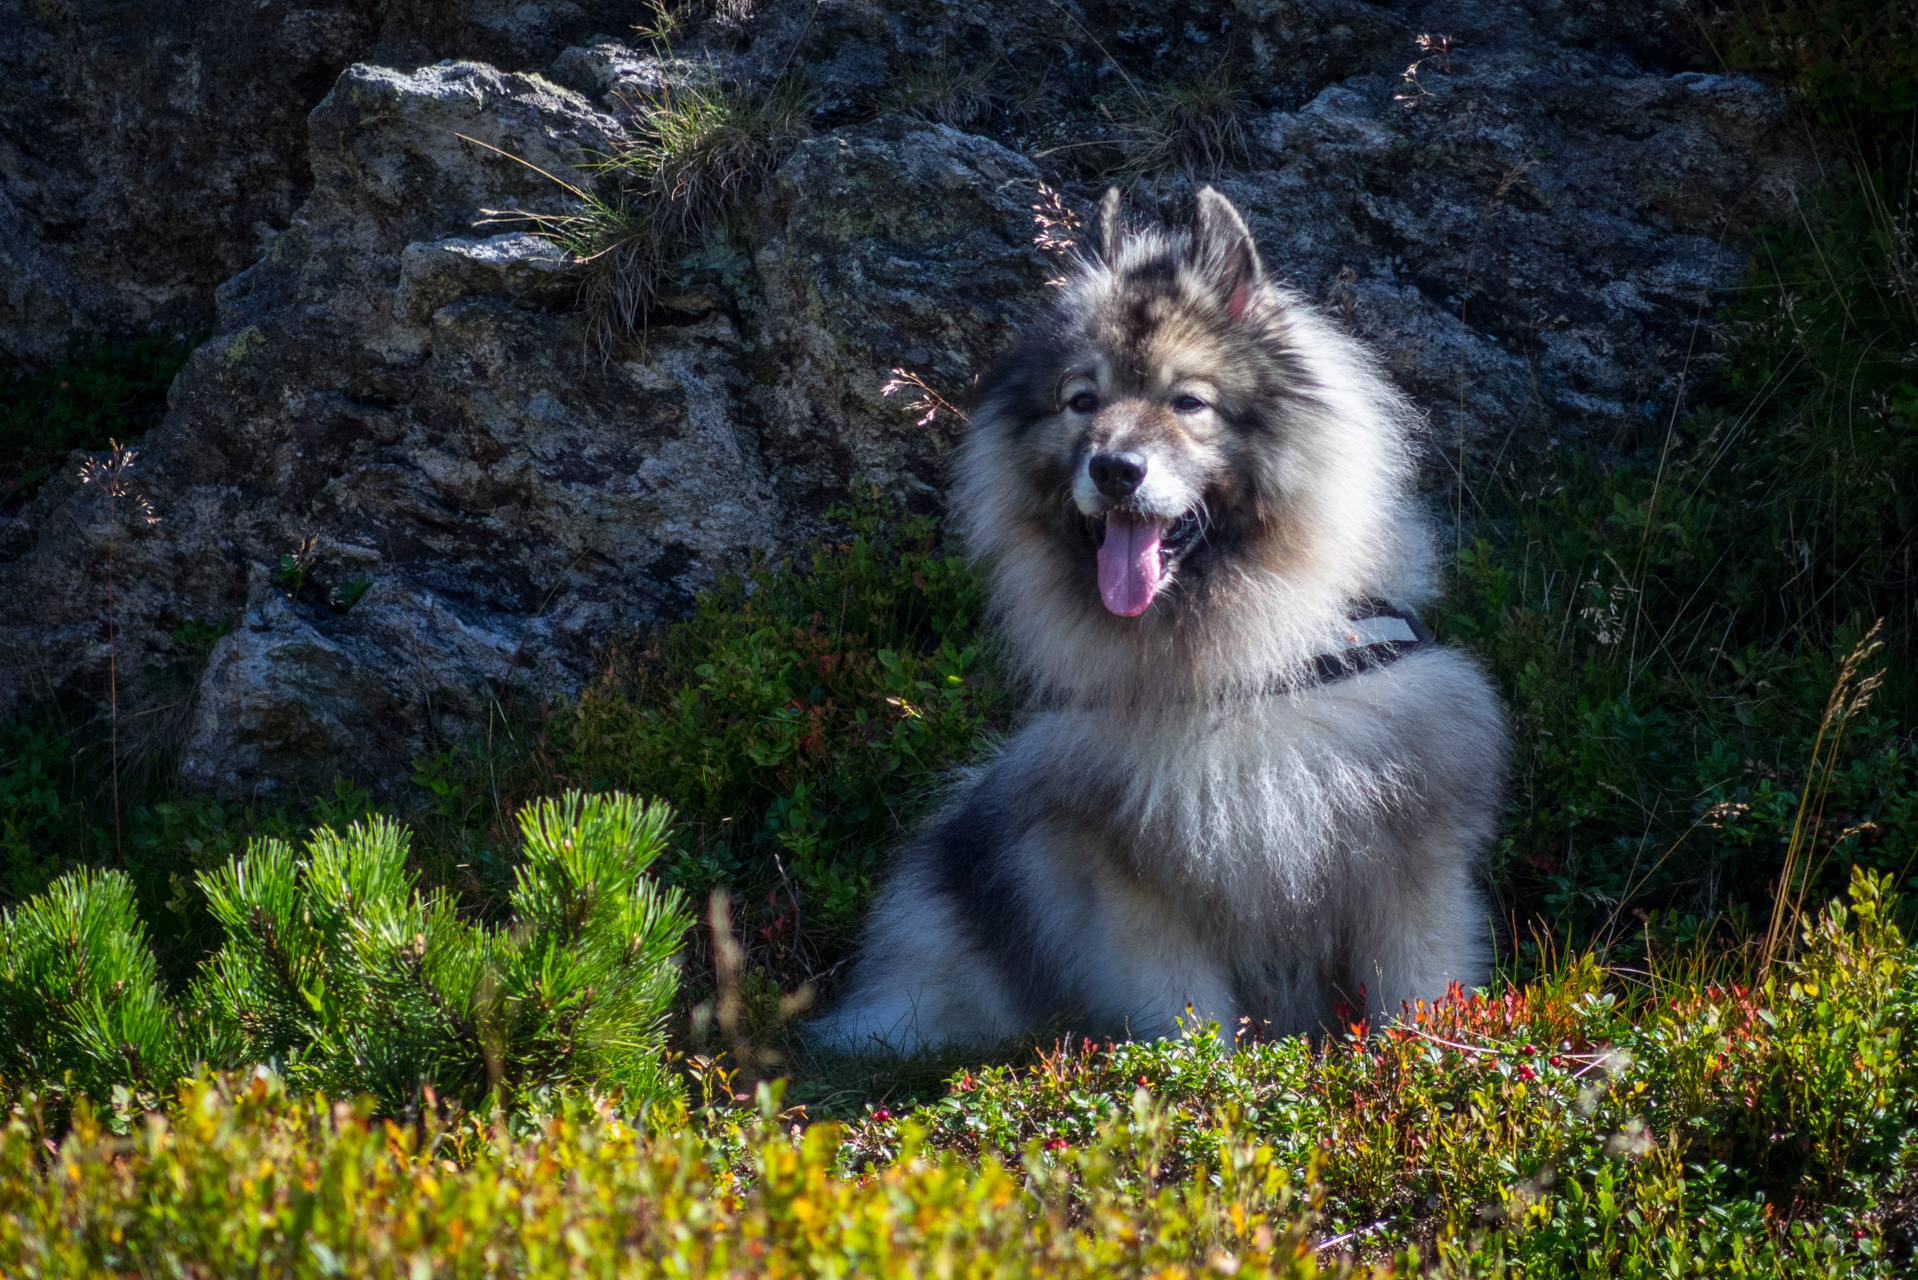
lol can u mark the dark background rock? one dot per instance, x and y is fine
(405, 399)
(149, 149)
(1534, 231)
(894, 244)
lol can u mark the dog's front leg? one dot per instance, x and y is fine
(1418, 937)
(1149, 968)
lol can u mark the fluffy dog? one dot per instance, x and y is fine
(1250, 786)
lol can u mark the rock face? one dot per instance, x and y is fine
(150, 148)
(392, 392)
(895, 244)
(405, 399)
(1534, 250)
(408, 486)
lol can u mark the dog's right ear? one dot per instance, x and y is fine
(1110, 227)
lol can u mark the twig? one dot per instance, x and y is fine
(924, 397)
(1336, 1241)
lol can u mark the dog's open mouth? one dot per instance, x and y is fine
(1136, 558)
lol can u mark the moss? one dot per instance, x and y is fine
(245, 344)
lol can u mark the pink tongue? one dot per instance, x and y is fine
(1129, 574)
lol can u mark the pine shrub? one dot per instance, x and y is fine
(338, 973)
(81, 1007)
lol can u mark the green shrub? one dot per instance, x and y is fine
(81, 1007)
(1667, 696)
(1196, 125)
(338, 973)
(800, 720)
(34, 821)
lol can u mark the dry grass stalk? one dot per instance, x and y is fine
(110, 473)
(925, 401)
(1851, 693)
(1058, 227)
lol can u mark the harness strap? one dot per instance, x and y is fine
(1378, 635)
(1375, 635)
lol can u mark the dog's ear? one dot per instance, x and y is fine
(1223, 252)
(1110, 227)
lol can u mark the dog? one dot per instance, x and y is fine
(1250, 786)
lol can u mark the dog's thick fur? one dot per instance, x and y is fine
(1190, 825)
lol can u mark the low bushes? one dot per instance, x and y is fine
(244, 1179)
(801, 719)
(336, 972)
(1710, 1117)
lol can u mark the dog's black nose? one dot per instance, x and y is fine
(1117, 475)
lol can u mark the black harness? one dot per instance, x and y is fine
(1380, 634)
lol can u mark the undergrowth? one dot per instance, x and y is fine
(801, 721)
(1697, 1118)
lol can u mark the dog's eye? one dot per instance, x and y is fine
(1187, 404)
(1084, 402)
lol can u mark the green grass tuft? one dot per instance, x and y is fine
(698, 154)
(1196, 125)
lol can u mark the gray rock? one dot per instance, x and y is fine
(1532, 233)
(149, 148)
(1536, 250)
(393, 387)
(894, 244)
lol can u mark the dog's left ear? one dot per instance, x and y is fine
(1223, 252)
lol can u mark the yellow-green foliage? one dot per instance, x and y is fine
(1583, 1125)
(242, 1179)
